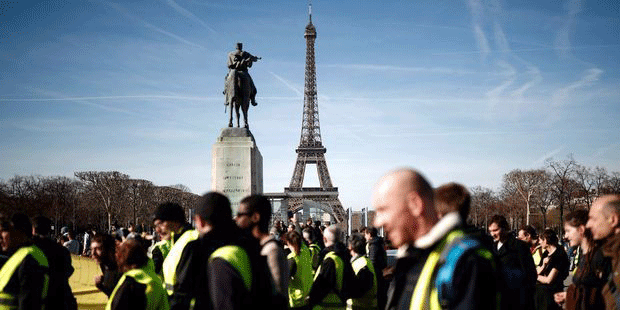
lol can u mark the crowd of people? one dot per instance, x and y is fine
(243, 261)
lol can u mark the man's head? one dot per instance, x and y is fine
(528, 235)
(254, 211)
(604, 217)
(213, 212)
(15, 232)
(403, 202)
(357, 244)
(332, 235)
(370, 232)
(169, 217)
(103, 248)
(131, 255)
(498, 228)
(41, 226)
(239, 46)
(452, 197)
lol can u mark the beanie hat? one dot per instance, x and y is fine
(169, 211)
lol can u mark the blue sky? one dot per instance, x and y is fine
(462, 90)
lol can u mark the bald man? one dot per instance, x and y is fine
(403, 201)
(335, 278)
(604, 222)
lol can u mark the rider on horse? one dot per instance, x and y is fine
(241, 60)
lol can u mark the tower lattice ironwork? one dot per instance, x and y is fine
(311, 149)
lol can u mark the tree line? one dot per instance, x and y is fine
(541, 197)
(90, 200)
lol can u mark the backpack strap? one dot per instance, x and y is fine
(448, 262)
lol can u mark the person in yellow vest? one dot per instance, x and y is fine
(220, 269)
(334, 278)
(24, 276)
(169, 221)
(300, 270)
(253, 217)
(311, 238)
(404, 207)
(365, 298)
(139, 288)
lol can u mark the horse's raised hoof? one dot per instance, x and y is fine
(229, 124)
(254, 103)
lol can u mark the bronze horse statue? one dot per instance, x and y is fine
(238, 92)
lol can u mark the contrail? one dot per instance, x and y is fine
(189, 15)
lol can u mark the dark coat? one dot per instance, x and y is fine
(611, 250)
(475, 282)
(519, 274)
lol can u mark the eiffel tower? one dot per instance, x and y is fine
(311, 149)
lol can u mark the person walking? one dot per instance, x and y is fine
(24, 276)
(404, 207)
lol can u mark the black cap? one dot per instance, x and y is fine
(169, 211)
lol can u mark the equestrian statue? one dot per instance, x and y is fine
(239, 87)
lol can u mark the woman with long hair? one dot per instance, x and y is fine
(552, 271)
(591, 272)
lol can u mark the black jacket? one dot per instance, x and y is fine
(325, 281)
(217, 284)
(26, 284)
(519, 274)
(475, 281)
(377, 254)
(59, 294)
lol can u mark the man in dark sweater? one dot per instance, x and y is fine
(517, 265)
(103, 250)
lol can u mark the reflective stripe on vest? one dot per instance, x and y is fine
(8, 301)
(301, 282)
(425, 295)
(169, 268)
(332, 300)
(369, 300)
(156, 297)
(238, 258)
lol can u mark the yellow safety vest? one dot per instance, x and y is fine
(238, 259)
(156, 297)
(301, 282)
(332, 300)
(164, 247)
(7, 300)
(537, 255)
(169, 267)
(425, 294)
(369, 300)
(315, 253)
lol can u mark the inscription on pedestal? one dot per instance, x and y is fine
(237, 169)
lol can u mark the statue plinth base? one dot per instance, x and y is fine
(237, 165)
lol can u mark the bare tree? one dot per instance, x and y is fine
(586, 181)
(483, 205)
(562, 171)
(140, 198)
(108, 186)
(527, 185)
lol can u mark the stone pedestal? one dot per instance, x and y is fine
(237, 165)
